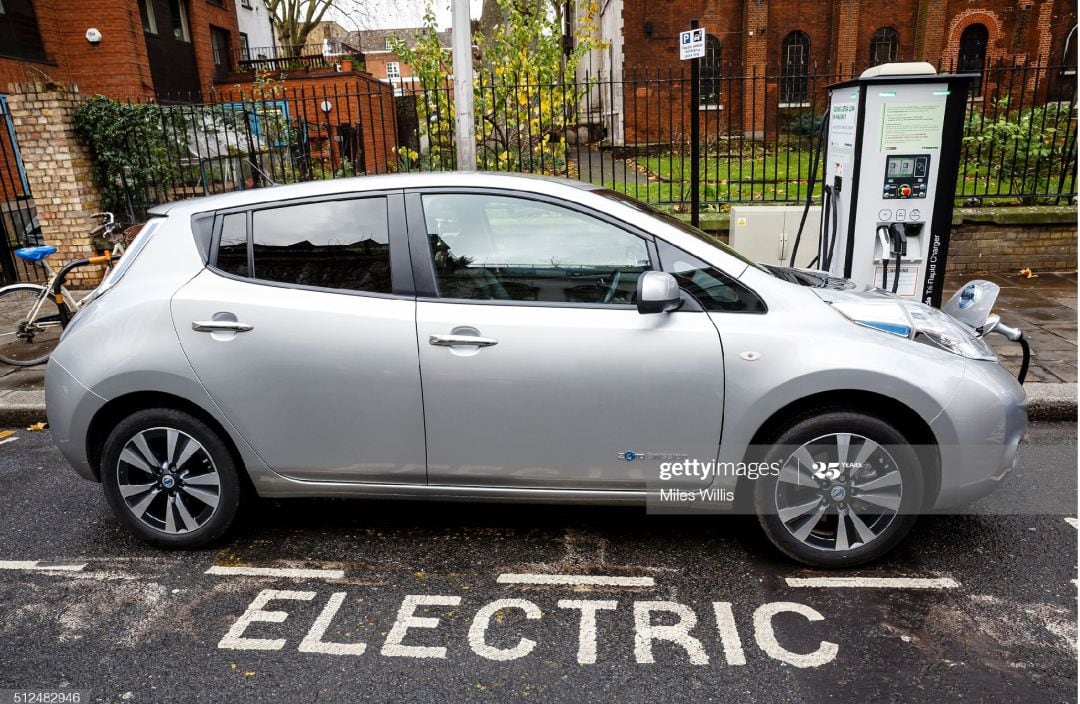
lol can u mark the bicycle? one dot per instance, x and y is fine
(33, 316)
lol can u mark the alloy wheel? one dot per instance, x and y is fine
(168, 480)
(838, 492)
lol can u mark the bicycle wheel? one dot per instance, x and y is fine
(24, 344)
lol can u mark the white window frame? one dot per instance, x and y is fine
(396, 73)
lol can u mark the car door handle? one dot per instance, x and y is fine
(220, 326)
(451, 340)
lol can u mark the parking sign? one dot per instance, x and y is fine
(691, 44)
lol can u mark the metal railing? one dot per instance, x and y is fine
(630, 133)
(286, 57)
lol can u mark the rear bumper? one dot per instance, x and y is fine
(980, 433)
(70, 406)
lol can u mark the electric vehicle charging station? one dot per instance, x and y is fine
(891, 158)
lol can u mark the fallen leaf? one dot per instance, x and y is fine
(249, 674)
(1027, 273)
(38, 426)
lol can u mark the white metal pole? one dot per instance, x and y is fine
(464, 131)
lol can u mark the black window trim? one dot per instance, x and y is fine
(400, 269)
(729, 280)
(424, 268)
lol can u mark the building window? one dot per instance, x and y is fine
(794, 68)
(181, 30)
(393, 69)
(388, 45)
(149, 19)
(711, 76)
(245, 46)
(19, 35)
(972, 55)
(219, 42)
(247, 4)
(884, 46)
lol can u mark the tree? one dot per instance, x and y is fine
(525, 93)
(294, 20)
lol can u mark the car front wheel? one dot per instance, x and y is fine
(170, 478)
(848, 490)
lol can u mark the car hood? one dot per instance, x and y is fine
(831, 288)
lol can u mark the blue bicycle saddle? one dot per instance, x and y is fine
(35, 254)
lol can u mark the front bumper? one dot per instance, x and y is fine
(979, 433)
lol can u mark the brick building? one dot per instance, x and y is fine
(790, 40)
(119, 48)
(381, 60)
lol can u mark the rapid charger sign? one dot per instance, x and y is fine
(423, 618)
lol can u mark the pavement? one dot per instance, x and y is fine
(1044, 307)
(335, 601)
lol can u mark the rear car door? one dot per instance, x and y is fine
(302, 329)
(538, 371)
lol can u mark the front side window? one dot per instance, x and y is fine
(393, 69)
(149, 19)
(513, 249)
(713, 289)
(178, 10)
(972, 55)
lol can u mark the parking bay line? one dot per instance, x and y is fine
(576, 579)
(295, 573)
(35, 565)
(875, 582)
(1072, 522)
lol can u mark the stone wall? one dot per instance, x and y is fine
(58, 170)
(994, 248)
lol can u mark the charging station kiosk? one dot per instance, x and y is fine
(891, 158)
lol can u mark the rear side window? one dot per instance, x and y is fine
(336, 244)
(232, 249)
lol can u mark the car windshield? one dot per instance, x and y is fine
(679, 224)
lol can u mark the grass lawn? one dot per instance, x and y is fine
(783, 177)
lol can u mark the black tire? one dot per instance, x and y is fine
(836, 524)
(175, 516)
(23, 345)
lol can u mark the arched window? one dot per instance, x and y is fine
(794, 67)
(972, 55)
(884, 46)
(711, 76)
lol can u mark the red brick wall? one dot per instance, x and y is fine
(989, 248)
(354, 98)
(118, 65)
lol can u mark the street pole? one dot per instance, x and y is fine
(695, 139)
(464, 130)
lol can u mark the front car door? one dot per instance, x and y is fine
(322, 378)
(537, 369)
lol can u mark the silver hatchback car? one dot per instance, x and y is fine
(508, 338)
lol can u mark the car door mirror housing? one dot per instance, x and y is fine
(657, 292)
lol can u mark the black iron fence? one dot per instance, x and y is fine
(758, 134)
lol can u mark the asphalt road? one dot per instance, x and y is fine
(84, 606)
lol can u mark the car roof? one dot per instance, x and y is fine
(515, 182)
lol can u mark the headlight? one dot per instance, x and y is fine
(916, 321)
(937, 328)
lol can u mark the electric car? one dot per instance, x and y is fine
(511, 338)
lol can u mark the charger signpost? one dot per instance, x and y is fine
(692, 48)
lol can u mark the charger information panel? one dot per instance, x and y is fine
(906, 176)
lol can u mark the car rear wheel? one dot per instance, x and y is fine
(170, 478)
(849, 489)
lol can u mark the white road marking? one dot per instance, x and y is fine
(576, 579)
(293, 573)
(875, 582)
(482, 620)
(5, 441)
(1072, 522)
(766, 636)
(37, 566)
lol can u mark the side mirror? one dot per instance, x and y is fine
(657, 292)
(972, 304)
